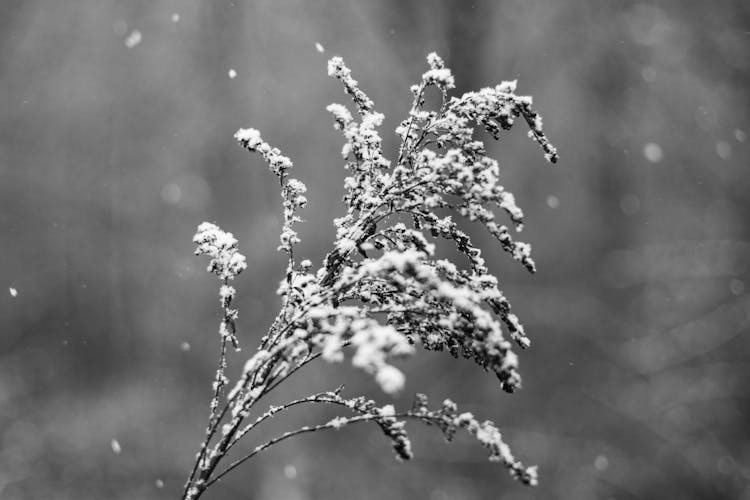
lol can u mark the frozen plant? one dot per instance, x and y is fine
(381, 291)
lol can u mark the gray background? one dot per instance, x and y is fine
(110, 156)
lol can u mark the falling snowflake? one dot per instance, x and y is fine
(653, 152)
(13, 292)
(724, 150)
(319, 47)
(175, 18)
(232, 74)
(133, 39)
(116, 448)
(290, 471)
(601, 463)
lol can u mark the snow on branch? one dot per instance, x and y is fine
(381, 292)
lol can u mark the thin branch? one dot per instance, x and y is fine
(414, 107)
(307, 429)
(212, 420)
(315, 398)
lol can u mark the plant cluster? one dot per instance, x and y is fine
(381, 291)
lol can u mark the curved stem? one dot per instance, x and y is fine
(316, 398)
(304, 430)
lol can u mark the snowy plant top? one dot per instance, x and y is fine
(226, 260)
(382, 291)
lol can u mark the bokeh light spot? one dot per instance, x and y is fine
(290, 471)
(171, 194)
(724, 150)
(601, 463)
(653, 152)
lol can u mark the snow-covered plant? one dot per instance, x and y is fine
(381, 291)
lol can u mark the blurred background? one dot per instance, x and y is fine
(116, 142)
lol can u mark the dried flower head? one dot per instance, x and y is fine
(381, 292)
